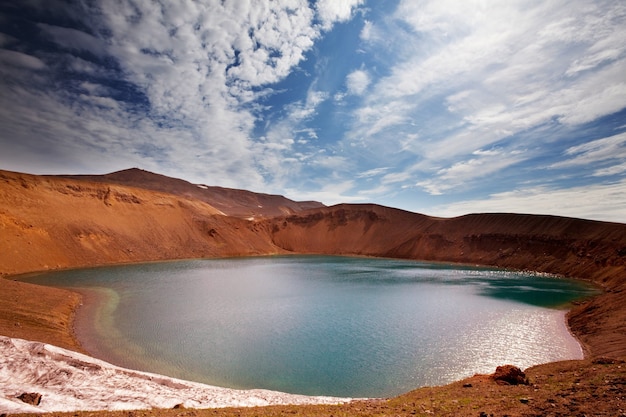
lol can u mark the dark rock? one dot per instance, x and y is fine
(179, 406)
(510, 375)
(604, 361)
(31, 398)
(468, 385)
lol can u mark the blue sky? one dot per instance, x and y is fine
(439, 107)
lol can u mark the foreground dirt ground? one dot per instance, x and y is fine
(571, 388)
(33, 312)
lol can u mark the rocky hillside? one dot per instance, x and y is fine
(51, 223)
(582, 248)
(231, 202)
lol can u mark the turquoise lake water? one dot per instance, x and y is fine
(321, 325)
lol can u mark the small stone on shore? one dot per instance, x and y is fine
(32, 398)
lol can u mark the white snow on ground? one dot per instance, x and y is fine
(70, 381)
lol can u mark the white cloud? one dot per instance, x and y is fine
(200, 66)
(462, 173)
(374, 172)
(368, 31)
(47, 137)
(301, 111)
(367, 194)
(20, 60)
(357, 82)
(612, 170)
(599, 150)
(395, 177)
(74, 39)
(331, 11)
(282, 136)
(502, 67)
(330, 193)
(332, 163)
(208, 57)
(603, 202)
(488, 152)
(94, 89)
(98, 101)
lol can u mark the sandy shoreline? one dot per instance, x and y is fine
(70, 381)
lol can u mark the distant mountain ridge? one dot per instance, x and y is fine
(232, 202)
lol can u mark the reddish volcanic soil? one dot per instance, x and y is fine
(135, 216)
(237, 203)
(51, 223)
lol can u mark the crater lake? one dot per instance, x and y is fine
(321, 325)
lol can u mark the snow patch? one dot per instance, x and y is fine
(70, 381)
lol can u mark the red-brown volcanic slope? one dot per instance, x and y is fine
(53, 222)
(236, 203)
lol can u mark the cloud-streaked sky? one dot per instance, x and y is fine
(443, 107)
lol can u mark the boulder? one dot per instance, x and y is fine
(510, 375)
